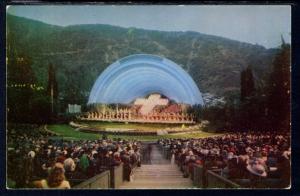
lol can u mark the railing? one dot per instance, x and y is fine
(112, 178)
(100, 181)
(199, 177)
(203, 178)
(116, 176)
(217, 181)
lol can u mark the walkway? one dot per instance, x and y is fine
(159, 174)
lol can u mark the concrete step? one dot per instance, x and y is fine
(157, 184)
(161, 174)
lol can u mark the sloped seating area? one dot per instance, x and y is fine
(233, 160)
(35, 156)
(236, 160)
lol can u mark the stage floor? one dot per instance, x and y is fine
(131, 126)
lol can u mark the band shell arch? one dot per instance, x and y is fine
(139, 75)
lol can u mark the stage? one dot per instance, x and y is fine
(133, 128)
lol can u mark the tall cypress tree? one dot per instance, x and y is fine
(52, 89)
(247, 83)
(279, 92)
(248, 108)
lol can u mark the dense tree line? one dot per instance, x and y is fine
(27, 101)
(256, 108)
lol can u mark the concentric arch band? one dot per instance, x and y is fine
(139, 75)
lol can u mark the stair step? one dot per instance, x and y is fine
(161, 174)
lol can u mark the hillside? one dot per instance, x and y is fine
(81, 52)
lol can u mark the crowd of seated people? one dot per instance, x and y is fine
(242, 157)
(35, 160)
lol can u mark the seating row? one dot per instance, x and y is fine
(212, 178)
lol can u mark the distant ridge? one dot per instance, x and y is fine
(82, 52)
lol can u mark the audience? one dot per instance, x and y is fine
(243, 155)
(33, 155)
(36, 160)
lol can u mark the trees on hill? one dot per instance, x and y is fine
(20, 87)
(279, 90)
(266, 107)
(27, 101)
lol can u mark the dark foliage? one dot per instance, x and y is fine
(279, 90)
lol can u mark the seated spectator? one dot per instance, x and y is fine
(256, 171)
(56, 179)
(69, 166)
(117, 159)
(242, 172)
(282, 170)
(231, 170)
(84, 162)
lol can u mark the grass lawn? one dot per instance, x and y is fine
(67, 132)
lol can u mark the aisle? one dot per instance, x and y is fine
(157, 157)
(160, 174)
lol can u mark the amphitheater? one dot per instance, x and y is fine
(153, 90)
(137, 97)
(143, 89)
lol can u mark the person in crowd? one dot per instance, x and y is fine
(84, 161)
(69, 166)
(29, 166)
(117, 159)
(125, 157)
(282, 169)
(56, 179)
(137, 154)
(257, 171)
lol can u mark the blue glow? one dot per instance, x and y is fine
(140, 75)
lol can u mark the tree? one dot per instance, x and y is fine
(27, 102)
(247, 107)
(196, 110)
(74, 94)
(52, 89)
(247, 83)
(279, 93)
(216, 115)
(40, 105)
(20, 84)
